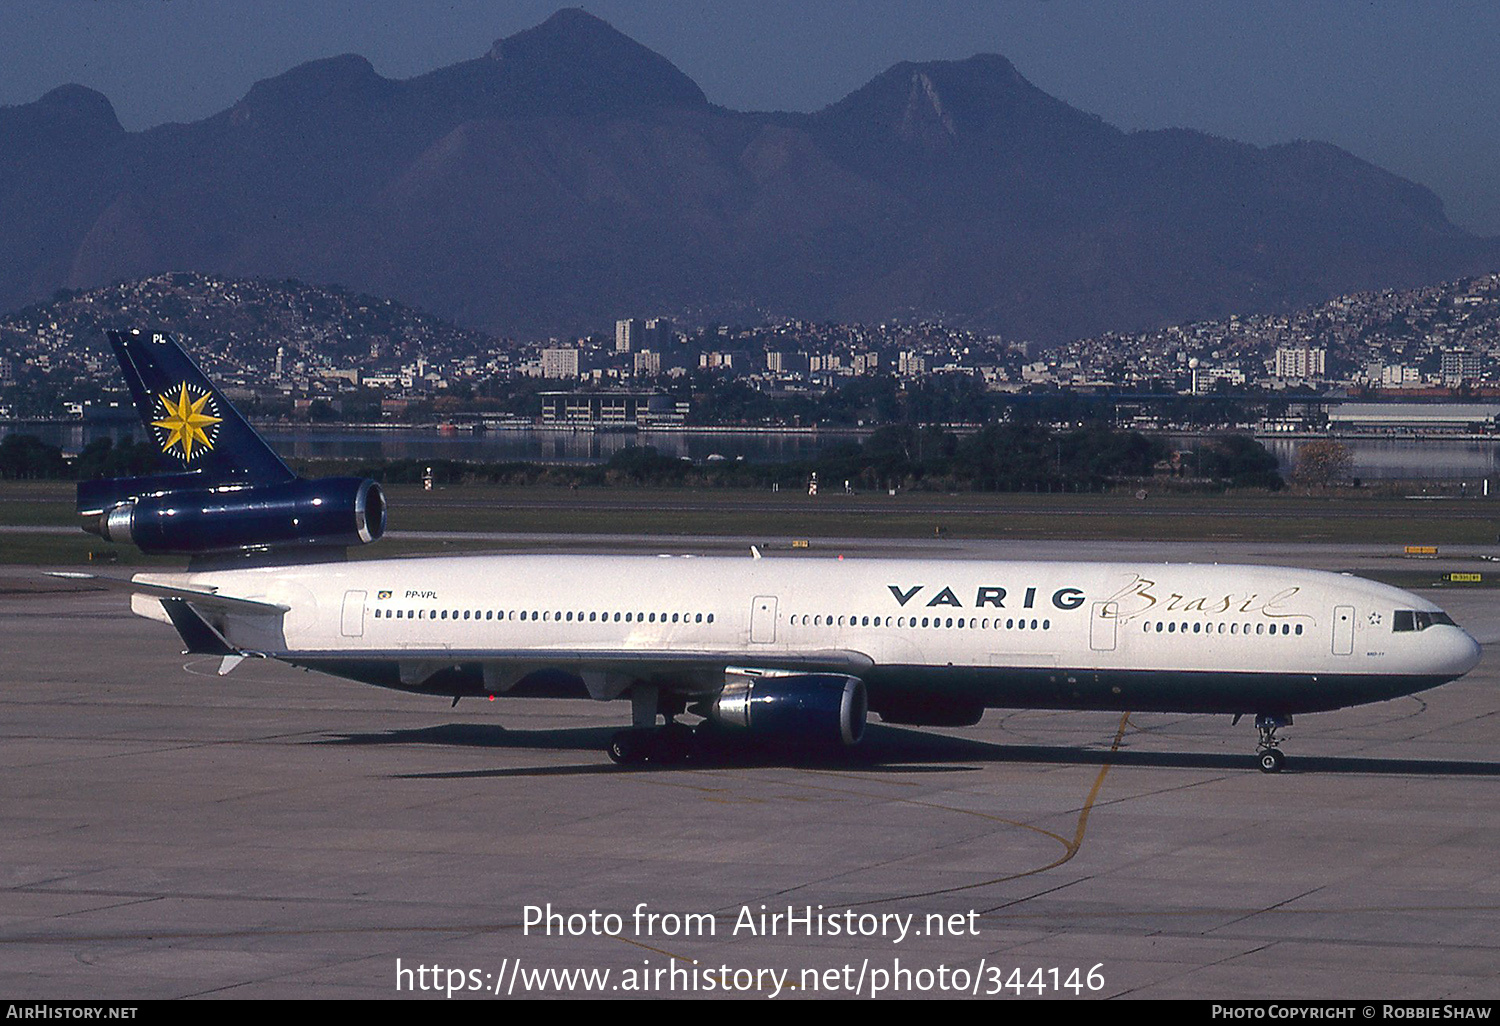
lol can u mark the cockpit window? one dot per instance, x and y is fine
(1417, 620)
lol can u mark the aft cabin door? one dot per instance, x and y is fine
(352, 624)
(1103, 625)
(763, 620)
(1343, 630)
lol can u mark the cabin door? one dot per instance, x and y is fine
(352, 623)
(763, 620)
(1103, 625)
(1343, 630)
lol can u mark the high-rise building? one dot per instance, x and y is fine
(659, 333)
(647, 363)
(628, 335)
(778, 362)
(1460, 365)
(1300, 362)
(559, 363)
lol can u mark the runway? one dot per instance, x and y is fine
(165, 832)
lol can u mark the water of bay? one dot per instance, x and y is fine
(1436, 458)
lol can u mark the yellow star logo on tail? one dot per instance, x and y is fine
(184, 423)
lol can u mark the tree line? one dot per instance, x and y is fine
(1005, 457)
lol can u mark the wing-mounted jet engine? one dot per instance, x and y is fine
(824, 712)
(229, 493)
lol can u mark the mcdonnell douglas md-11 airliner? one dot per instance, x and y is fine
(792, 650)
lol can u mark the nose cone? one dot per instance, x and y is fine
(1456, 653)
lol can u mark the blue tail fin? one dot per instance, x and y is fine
(196, 428)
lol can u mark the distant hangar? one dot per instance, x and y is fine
(1408, 418)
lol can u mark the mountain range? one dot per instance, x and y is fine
(571, 176)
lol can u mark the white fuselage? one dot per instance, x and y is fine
(1063, 635)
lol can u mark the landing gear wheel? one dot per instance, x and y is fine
(1268, 752)
(629, 748)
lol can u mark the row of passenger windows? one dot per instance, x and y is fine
(1171, 627)
(546, 615)
(964, 622)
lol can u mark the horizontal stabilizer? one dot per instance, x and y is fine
(206, 599)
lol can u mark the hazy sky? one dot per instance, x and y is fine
(1413, 86)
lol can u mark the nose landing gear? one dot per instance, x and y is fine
(1269, 747)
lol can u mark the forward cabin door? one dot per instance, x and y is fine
(352, 623)
(1343, 630)
(763, 620)
(1103, 626)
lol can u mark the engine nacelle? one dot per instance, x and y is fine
(333, 511)
(821, 708)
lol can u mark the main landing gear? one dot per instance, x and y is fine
(672, 744)
(1269, 747)
(645, 742)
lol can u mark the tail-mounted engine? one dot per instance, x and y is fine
(165, 514)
